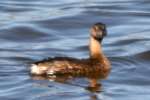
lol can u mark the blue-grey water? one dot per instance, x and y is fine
(31, 30)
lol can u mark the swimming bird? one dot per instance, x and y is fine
(96, 63)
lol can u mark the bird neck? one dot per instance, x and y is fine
(95, 49)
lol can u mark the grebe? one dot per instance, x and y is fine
(96, 63)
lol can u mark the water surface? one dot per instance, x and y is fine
(31, 30)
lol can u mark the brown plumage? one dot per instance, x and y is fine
(96, 63)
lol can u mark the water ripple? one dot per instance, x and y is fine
(34, 30)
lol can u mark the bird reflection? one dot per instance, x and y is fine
(93, 87)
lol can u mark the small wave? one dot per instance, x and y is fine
(22, 33)
(144, 55)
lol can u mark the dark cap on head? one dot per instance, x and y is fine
(99, 31)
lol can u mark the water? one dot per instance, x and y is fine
(31, 30)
